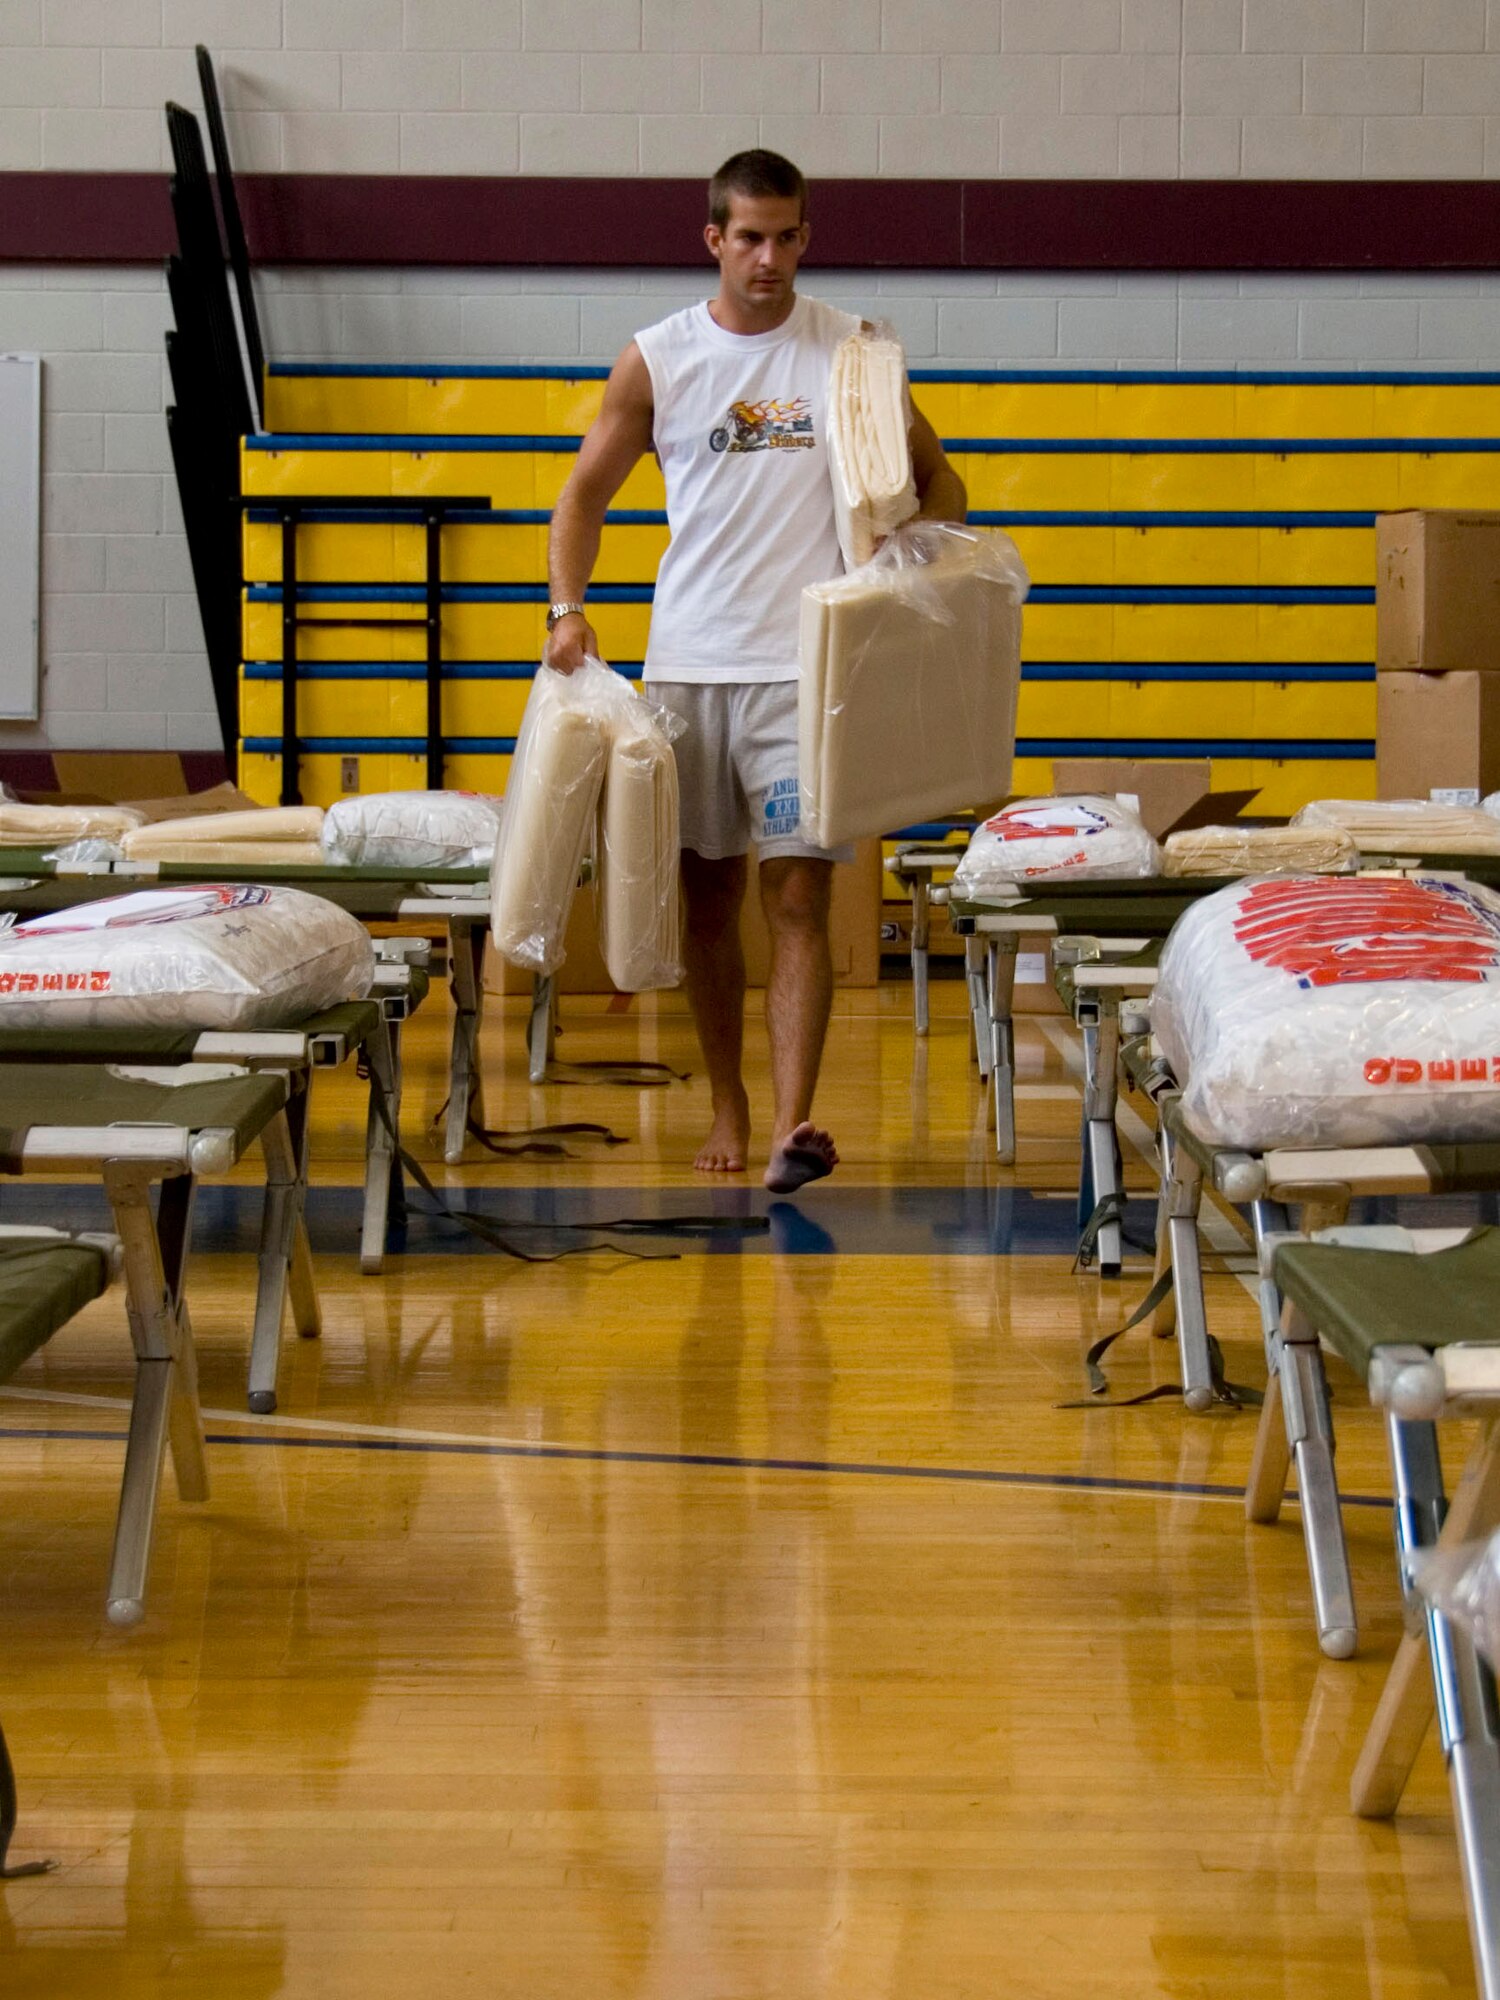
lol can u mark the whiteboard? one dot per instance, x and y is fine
(20, 533)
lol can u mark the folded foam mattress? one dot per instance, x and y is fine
(869, 443)
(640, 925)
(909, 672)
(1260, 850)
(1359, 1010)
(550, 803)
(33, 826)
(221, 832)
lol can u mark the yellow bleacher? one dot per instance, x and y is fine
(1201, 547)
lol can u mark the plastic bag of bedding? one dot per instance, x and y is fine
(1333, 1010)
(1082, 838)
(413, 830)
(222, 956)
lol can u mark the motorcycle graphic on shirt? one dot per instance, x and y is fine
(768, 426)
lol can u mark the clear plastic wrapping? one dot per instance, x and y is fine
(1260, 850)
(220, 956)
(1406, 826)
(229, 835)
(869, 440)
(1335, 1011)
(1464, 1584)
(907, 694)
(413, 830)
(1083, 837)
(593, 768)
(42, 826)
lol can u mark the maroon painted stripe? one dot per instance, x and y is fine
(995, 225)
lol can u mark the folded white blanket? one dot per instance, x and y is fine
(32, 826)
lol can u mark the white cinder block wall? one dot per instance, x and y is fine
(1149, 89)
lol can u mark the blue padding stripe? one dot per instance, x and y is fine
(1171, 593)
(572, 371)
(1291, 749)
(1159, 517)
(453, 593)
(508, 517)
(414, 670)
(1266, 672)
(394, 746)
(642, 593)
(505, 441)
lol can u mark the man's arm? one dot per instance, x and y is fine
(941, 494)
(618, 436)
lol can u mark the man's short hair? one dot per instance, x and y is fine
(759, 174)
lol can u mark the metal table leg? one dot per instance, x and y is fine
(1184, 1192)
(1309, 1433)
(1000, 967)
(541, 1028)
(979, 1003)
(1098, 1171)
(165, 1407)
(921, 930)
(466, 942)
(285, 1260)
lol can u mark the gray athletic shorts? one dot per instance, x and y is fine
(737, 768)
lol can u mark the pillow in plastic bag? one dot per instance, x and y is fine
(413, 830)
(1324, 1010)
(1084, 838)
(222, 956)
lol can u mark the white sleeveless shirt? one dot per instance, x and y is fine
(741, 433)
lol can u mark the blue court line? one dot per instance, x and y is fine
(522, 371)
(714, 1461)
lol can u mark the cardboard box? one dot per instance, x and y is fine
(854, 929)
(1436, 732)
(1437, 592)
(1166, 790)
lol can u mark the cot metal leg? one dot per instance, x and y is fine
(1464, 1692)
(165, 1404)
(1098, 1171)
(921, 929)
(979, 1003)
(1271, 1461)
(541, 1028)
(1183, 1195)
(466, 940)
(1000, 973)
(380, 1149)
(1406, 1702)
(1309, 1433)
(396, 1210)
(282, 1238)
(1164, 1319)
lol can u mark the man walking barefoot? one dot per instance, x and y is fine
(732, 397)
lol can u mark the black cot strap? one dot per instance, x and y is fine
(1233, 1395)
(1110, 1208)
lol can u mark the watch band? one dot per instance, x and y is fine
(558, 611)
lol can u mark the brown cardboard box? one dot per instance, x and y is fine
(1437, 592)
(1436, 732)
(854, 927)
(1166, 790)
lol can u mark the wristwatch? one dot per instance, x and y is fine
(557, 611)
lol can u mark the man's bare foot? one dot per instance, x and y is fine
(725, 1149)
(806, 1154)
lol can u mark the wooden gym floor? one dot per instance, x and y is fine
(752, 1623)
